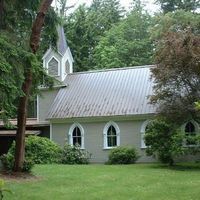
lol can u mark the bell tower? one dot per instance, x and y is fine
(59, 63)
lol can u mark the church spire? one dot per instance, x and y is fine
(59, 63)
(62, 42)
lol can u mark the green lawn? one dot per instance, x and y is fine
(125, 182)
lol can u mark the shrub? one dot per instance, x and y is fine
(8, 162)
(42, 150)
(164, 141)
(123, 155)
(74, 155)
(38, 150)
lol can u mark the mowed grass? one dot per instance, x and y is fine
(119, 182)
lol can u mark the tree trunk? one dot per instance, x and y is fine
(38, 24)
(26, 87)
(21, 123)
(2, 22)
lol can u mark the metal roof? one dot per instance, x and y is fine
(114, 92)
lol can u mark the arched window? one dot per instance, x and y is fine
(53, 67)
(67, 67)
(190, 128)
(111, 135)
(143, 131)
(190, 132)
(76, 135)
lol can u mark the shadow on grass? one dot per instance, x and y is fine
(179, 166)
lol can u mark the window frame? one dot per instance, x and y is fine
(58, 66)
(70, 134)
(142, 133)
(105, 135)
(196, 126)
(69, 66)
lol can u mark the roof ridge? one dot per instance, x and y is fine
(112, 69)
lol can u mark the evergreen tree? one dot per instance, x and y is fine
(86, 25)
(127, 43)
(173, 5)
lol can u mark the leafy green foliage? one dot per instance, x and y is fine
(16, 19)
(49, 34)
(163, 141)
(10, 76)
(76, 31)
(42, 150)
(8, 162)
(173, 5)
(38, 150)
(178, 21)
(86, 25)
(178, 55)
(123, 155)
(127, 43)
(74, 155)
(197, 104)
(14, 61)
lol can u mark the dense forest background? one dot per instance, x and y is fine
(105, 35)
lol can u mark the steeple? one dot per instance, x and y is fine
(59, 63)
(62, 42)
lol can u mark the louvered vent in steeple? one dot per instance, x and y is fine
(53, 67)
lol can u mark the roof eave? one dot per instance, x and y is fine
(96, 118)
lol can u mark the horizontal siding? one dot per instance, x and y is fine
(130, 135)
(44, 102)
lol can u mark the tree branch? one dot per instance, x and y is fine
(38, 24)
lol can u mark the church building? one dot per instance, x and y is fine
(99, 109)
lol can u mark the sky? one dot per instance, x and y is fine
(150, 5)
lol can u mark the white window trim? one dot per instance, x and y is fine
(82, 134)
(197, 131)
(51, 132)
(38, 107)
(58, 66)
(105, 130)
(67, 60)
(142, 133)
(196, 125)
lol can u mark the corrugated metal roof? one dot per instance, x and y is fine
(114, 92)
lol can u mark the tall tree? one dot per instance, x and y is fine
(86, 25)
(27, 84)
(173, 5)
(76, 30)
(19, 59)
(177, 73)
(127, 43)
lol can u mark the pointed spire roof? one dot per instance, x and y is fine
(62, 42)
